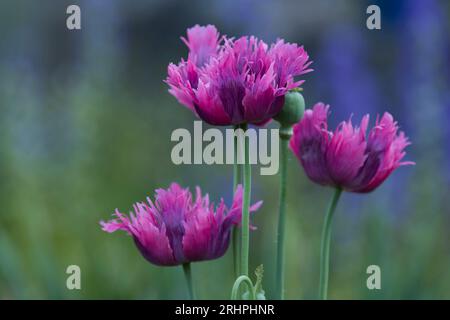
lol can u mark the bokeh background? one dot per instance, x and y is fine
(85, 125)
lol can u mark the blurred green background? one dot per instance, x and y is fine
(85, 125)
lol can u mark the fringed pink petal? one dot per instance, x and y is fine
(203, 43)
(346, 152)
(310, 142)
(385, 148)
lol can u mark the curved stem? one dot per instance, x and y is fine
(245, 238)
(237, 179)
(237, 284)
(285, 134)
(325, 246)
(188, 275)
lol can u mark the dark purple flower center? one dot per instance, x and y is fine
(231, 93)
(173, 220)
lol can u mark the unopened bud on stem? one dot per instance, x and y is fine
(291, 113)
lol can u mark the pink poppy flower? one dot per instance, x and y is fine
(235, 81)
(175, 229)
(347, 158)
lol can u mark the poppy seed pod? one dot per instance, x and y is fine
(293, 109)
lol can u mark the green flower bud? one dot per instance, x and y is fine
(292, 111)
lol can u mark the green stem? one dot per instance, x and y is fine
(285, 134)
(237, 284)
(325, 246)
(237, 179)
(245, 237)
(188, 275)
(237, 168)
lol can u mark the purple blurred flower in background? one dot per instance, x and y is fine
(352, 85)
(424, 31)
(176, 230)
(347, 158)
(232, 82)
